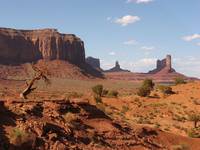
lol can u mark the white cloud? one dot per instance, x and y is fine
(112, 53)
(147, 48)
(189, 65)
(144, 62)
(198, 44)
(130, 42)
(108, 18)
(191, 37)
(126, 20)
(139, 1)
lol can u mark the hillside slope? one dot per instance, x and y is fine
(76, 125)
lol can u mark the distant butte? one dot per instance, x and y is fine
(116, 68)
(163, 73)
(164, 65)
(94, 62)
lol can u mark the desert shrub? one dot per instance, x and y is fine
(195, 118)
(104, 92)
(113, 93)
(97, 99)
(143, 120)
(179, 80)
(165, 89)
(98, 90)
(148, 83)
(19, 137)
(143, 91)
(194, 133)
(146, 88)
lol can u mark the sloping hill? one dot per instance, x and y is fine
(56, 69)
(76, 125)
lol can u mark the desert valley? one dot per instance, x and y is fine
(54, 98)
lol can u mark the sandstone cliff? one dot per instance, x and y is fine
(94, 62)
(20, 46)
(163, 66)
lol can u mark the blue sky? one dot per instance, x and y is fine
(134, 32)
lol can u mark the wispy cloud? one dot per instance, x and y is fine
(139, 1)
(126, 20)
(191, 37)
(147, 48)
(189, 65)
(112, 53)
(198, 44)
(130, 42)
(108, 18)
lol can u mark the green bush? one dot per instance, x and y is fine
(113, 93)
(97, 99)
(165, 89)
(144, 91)
(148, 83)
(98, 90)
(146, 88)
(194, 133)
(104, 92)
(19, 137)
(179, 80)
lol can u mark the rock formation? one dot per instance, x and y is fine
(117, 68)
(94, 62)
(20, 46)
(164, 65)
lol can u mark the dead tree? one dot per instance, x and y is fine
(40, 74)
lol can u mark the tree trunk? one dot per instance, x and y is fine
(29, 89)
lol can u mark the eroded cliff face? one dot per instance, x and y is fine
(94, 62)
(164, 65)
(20, 46)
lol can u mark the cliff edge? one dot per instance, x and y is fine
(21, 46)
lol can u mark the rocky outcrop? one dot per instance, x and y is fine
(117, 68)
(20, 46)
(94, 62)
(164, 65)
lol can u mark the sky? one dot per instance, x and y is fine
(134, 32)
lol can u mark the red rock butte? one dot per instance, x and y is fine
(164, 65)
(20, 46)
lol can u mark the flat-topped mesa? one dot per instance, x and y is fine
(94, 62)
(117, 68)
(20, 46)
(164, 65)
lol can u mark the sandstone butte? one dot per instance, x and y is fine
(21, 46)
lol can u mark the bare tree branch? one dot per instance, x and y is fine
(39, 75)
